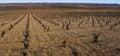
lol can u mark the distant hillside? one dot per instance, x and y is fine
(45, 5)
(58, 4)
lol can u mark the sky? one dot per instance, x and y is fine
(61, 1)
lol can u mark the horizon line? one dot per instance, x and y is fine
(60, 2)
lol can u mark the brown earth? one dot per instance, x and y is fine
(60, 32)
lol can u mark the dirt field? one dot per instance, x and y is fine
(60, 32)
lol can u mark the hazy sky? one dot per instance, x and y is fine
(60, 1)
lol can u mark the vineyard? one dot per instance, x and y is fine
(59, 32)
